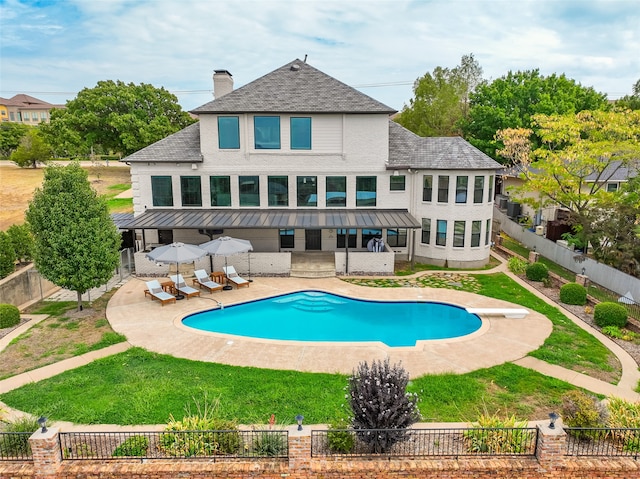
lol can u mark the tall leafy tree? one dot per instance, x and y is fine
(579, 154)
(76, 242)
(33, 149)
(512, 100)
(115, 117)
(7, 255)
(441, 99)
(631, 102)
(10, 136)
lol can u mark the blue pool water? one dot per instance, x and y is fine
(319, 316)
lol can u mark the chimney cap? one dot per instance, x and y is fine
(222, 72)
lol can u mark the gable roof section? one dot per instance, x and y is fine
(296, 87)
(408, 150)
(180, 147)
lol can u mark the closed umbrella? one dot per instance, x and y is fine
(176, 253)
(226, 246)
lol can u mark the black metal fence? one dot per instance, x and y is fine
(603, 442)
(14, 446)
(425, 442)
(174, 445)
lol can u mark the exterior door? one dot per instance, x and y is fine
(313, 240)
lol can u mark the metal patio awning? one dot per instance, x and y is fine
(272, 218)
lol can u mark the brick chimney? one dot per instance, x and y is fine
(222, 83)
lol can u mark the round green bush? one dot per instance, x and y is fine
(537, 272)
(573, 293)
(9, 315)
(610, 314)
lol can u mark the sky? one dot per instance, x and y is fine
(52, 49)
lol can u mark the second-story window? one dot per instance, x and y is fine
(397, 183)
(443, 189)
(462, 185)
(266, 131)
(161, 191)
(300, 133)
(366, 190)
(228, 132)
(191, 191)
(307, 191)
(478, 189)
(427, 187)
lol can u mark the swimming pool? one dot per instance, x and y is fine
(320, 316)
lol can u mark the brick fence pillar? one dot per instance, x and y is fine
(533, 257)
(299, 451)
(47, 457)
(582, 279)
(552, 445)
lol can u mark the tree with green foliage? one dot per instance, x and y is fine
(513, 100)
(115, 117)
(76, 242)
(579, 155)
(441, 99)
(22, 242)
(33, 150)
(7, 256)
(10, 136)
(630, 102)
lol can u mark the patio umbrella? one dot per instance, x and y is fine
(226, 246)
(176, 253)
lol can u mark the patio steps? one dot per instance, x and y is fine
(313, 265)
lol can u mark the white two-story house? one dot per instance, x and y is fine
(297, 161)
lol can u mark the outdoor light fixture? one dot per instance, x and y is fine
(534, 248)
(42, 422)
(299, 419)
(583, 270)
(553, 417)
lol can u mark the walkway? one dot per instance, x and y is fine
(158, 328)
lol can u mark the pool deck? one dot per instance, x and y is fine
(158, 328)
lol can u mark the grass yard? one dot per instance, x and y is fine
(20, 183)
(139, 387)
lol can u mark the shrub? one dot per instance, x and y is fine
(379, 399)
(9, 316)
(269, 443)
(133, 446)
(617, 333)
(573, 293)
(517, 265)
(7, 255)
(537, 271)
(582, 410)
(339, 439)
(610, 314)
(492, 434)
(625, 414)
(22, 242)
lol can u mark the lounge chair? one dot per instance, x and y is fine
(232, 276)
(202, 280)
(155, 291)
(182, 287)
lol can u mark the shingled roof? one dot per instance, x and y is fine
(408, 150)
(296, 87)
(180, 147)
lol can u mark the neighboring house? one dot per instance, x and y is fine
(297, 161)
(25, 109)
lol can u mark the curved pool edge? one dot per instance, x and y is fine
(148, 325)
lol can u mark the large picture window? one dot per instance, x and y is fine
(426, 231)
(249, 187)
(478, 189)
(397, 237)
(366, 191)
(300, 133)
(458, 234)
(462, 186)
(476, 228)
(336, 191)
(443, 189)
(307, 191)
(228, 132)
(161, 191)
(191, 190)
(397, 183)
(266, 130)
(220, 190)
(278, 187)
(441, 233)
(341, 238)
(427, 187)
